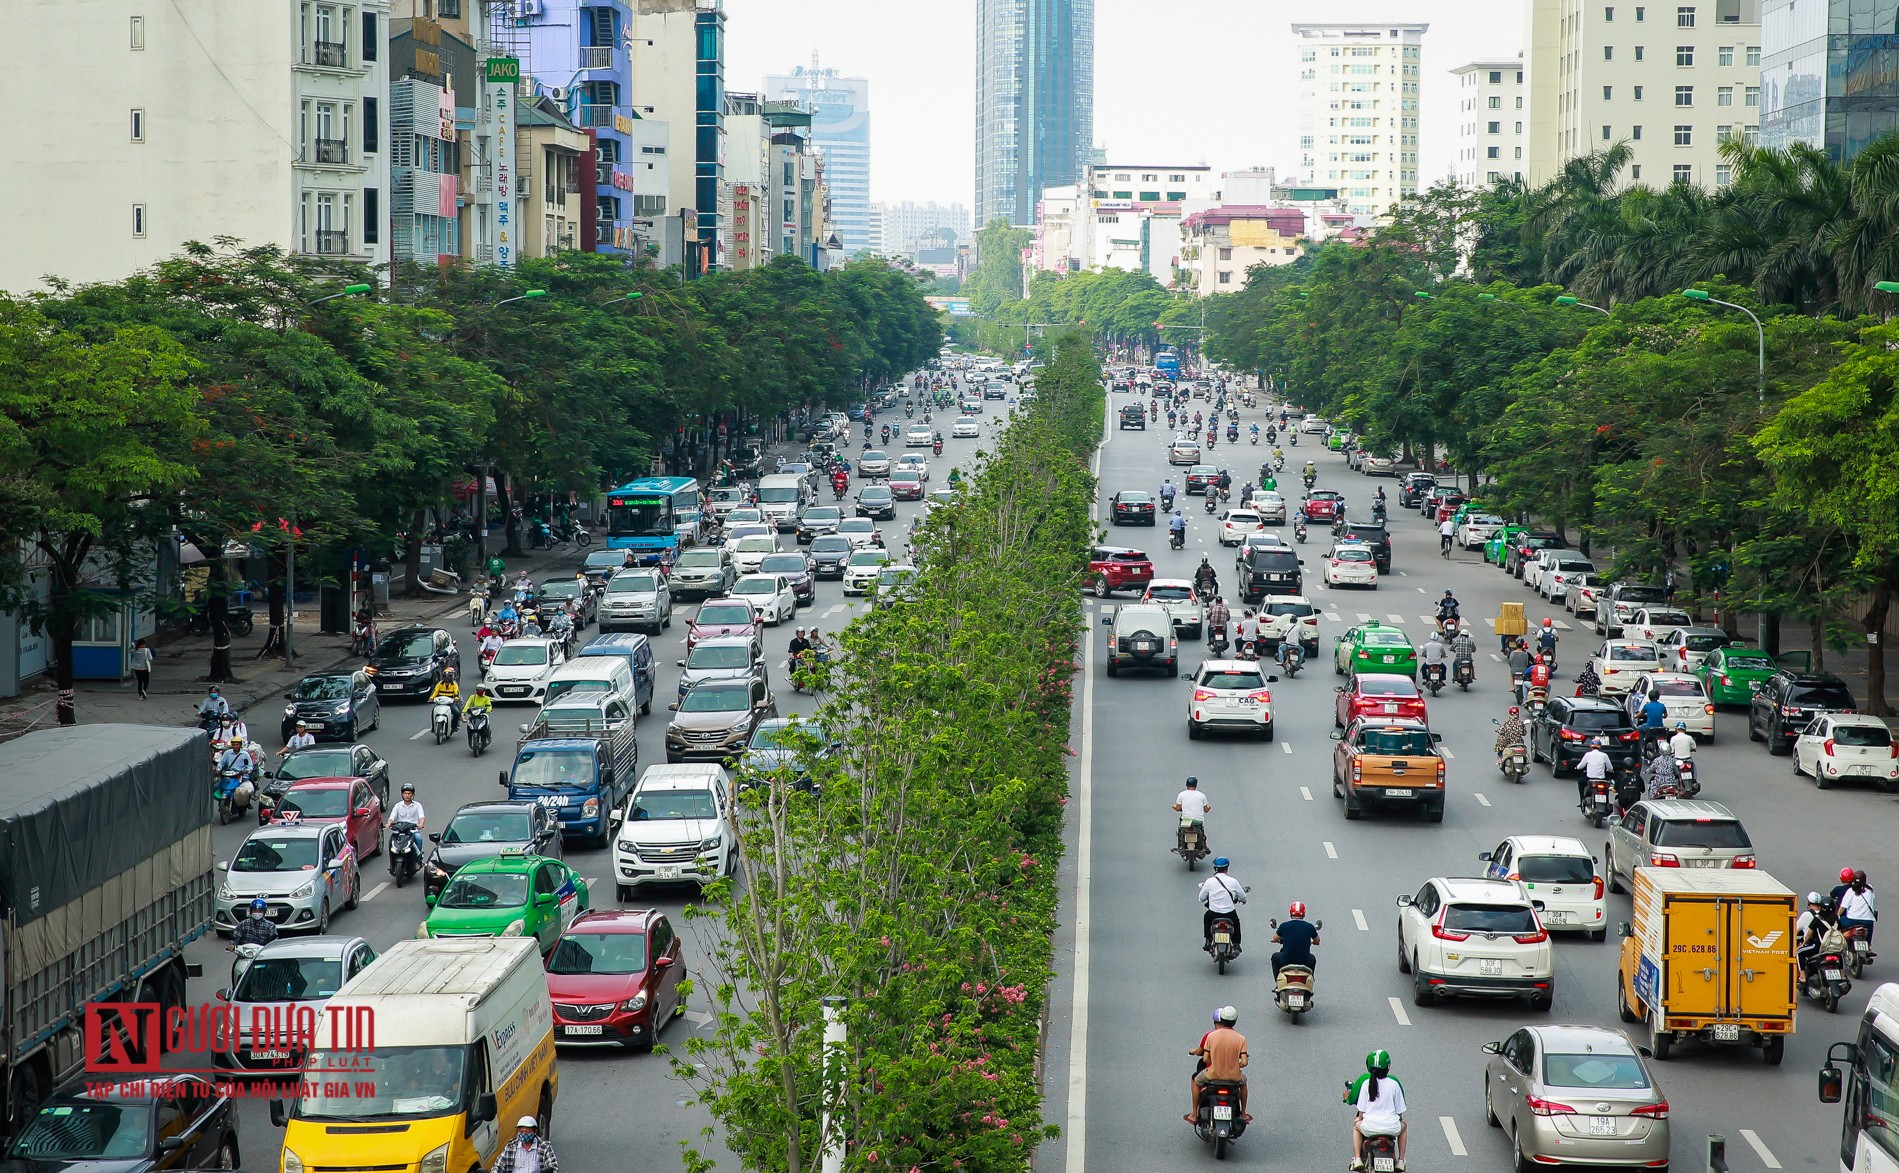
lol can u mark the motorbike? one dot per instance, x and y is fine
(364, 637)
(1220, 1121)
(1223, 948)
(1859, 952)
(1535, 702)
(1826, 981)
(1279, 464)
(232, 792)
(1381, 1154)
(1213, 501)
(1378, 513)
(1434, 678)
(1598, 802)
(442, 718)
(1190, 841)
(1292, 657)
(243, 956)
(1310, 479)
(936, 447)
(238, 620)
(1216, 643)
(1292, 989)
(1299, 532)
(1177, 539)
(1515, 763)
(1685, 779)
(479, 735)
(1292, 438)
(1232, 433)
(405, 852)
(837, 491)
(1464, 672)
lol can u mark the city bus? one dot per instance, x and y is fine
(643, 515)
(1869, 1132)
(1167, 362)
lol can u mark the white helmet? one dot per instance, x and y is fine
(1228, 1016)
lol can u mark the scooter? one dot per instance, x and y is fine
(577, 534)
(1223, 948)
(1434, 678)
(1213, 500)
(243, 956)
(1279, 464)
(1826, 981)
(364, 637)
(1292, 989)
(1534, 703)
(1598, 803)
(1292, 657)
(1216, 643)
(1381, 1154)
(1177, 539)
(405, 853)
(936, 447)
(442, 719)
(1310, 479)
(1299, 532)
(1190, 841)
(232, 791)
(1219, 1121)
(1464, 672)
(479, 735)
(1859, 951)
(1255, 439)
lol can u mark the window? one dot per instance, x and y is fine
(1684, 55)
(1608, 14)
(371, 37)
(1496, 127)
(1150, 197)
(372, 215)
(1723, 131)
(1149, 177)
(1684, 95)
(138, 126)
(1226, 276)
(1638, 93)
(1493, 152)
(1636, 133)
(1496, 103)
(1723, 174)
(1684, 173)
(138, 33)
(1608, 52)
(1176, 179)
(1608, 92)
(1635, 170)
(138, 220)
(1724, 96)
(1519, 101)
(1752, 98)
(448, 9)
(1639, 50)
(1754, 55)
(1684, 135)
(1496, 77)
(1226, 254)
(372, 125)
(1725, 55)
(1641, 13)
(1685, 17)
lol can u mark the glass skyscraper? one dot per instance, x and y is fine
(1829, 73)
(840, 126)
(1035, 102)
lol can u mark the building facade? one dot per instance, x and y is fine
(1491, 121)
(909, 227)
(679, 79)
(1035, 62)
(840, 127)
(1221, 244)
(1358, 111)
(552, 153)
(1670, 80)
(1829, 74)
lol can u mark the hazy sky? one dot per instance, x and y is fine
(1190, 81)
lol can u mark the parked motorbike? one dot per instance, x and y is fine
(237, 619)
(405, 852)
(479, 734)
(1826, 980)
(1434, 678)
(1190, 841)
(442, 719)
(1220, 1121)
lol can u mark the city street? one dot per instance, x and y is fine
(1135, 992)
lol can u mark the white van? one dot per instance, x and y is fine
(612, 673)
(781, 498)
(676, 827)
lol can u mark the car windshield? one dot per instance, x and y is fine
(868, 558)
(646, 584)
(329, 803)
(873, 456)
(1820, 696)
(1555, 869)
(315, 763)
(706, 558)
(857, 525)
(1238, 517)
(823, 513)
(509, 826)
(551, 769)
(716, 700)
(1392, 741)
(605, 953)
(289, 979)
(603, 559)
(1862, 735)
(778, 494)
(1754, 661)
(1676, 687)
(1384, 639)
(276, 853)
(719, 656)
(874, 493)
(1640, 594)
(565, 588)
(1170, 594)
(1483, 519)
(783, 735)
(1635, 652)
(1572, 567)
(831, 545)
(1352, 554)
(783, 564)
(1232, 680)
(1715, 833)
(674, 804)
(78, 1130)
(1299, 610)
(321, 688)
(1489, 918)
(1396, 686)
(759, 545)
(1599, 719)
(519, 654)
(748, 530)
(410, 1081)
(487, 890)
(408, 645)
(1594, 1070)
(1133, 498)
(715, 613)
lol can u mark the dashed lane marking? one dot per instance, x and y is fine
(1395, 618)
(1451, 1137)
(1445, 750)
(1397, 1011)
(1364, 617)
(1305, 792)
(1754, 1142)
(1331, 852)
(1496, 657)
(1286, 746)
(419, 734)
(374, 892)
(1481, 800)
(1358, 918)
(835, 608)
(1422, 591)
(1404, 574)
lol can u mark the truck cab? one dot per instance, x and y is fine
(577, 760)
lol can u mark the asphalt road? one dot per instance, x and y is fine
(616, 1110)
(1135, 992)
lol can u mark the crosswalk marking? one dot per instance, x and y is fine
(1446, 751)
(1358, 918)
(1395, 618)
(1364, 617)
(1754, 1142)
(1286, 746)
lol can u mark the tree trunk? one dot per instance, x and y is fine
(1876, 610)
(61, 626)
(1818, 642)
(412, 556)
(504, 490)
(216, 603)
(279, 602)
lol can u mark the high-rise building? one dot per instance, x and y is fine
(1035, 99)
(1827, 75)
(840, 126)
(1490, 121)
(1358, 111)
(909, 227)
(1671, 80)
(679, 79)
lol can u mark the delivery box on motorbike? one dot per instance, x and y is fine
(1510, 619)
(1709, 955)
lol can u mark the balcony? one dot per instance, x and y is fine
(595, 117)
(571, 184)
(332, 244)
(332, 150)
(331, 54)
(596, 57)
(603, 174)
(603, 234)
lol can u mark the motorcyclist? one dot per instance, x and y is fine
(301, 739)
(451, 688)
(235, 757)
(1310, 470)
(257, 928)
(213, 707)
(1535, 677)
(1295, 937)
(1218, 618)
(1546, 640)
(1651, 717)
(481, 702)
(1434, 652)
(1510, 734)
(1249, 633)
(1380, 1103)
(1221, 895)
(1594, 767)
(1193, 806)
(1177, 524)
(1223, 1052)
(1681, 746)
(1588, 683)
(1225, 481)
(1464, 650)
(1854, 902)
(1205, 579)
(1167, 493)
(1820, 916)
(408, 810)
(1448, 607)
(1519, 661)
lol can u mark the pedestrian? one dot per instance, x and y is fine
(142, 668)
(528, 1152)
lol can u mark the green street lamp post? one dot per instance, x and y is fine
(347, 291)
(1760, 336)
(1566, 299)
(521, 297)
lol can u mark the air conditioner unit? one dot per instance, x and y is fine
(530, 7)
(557, 93)
(523, 185)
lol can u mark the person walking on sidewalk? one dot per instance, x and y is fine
(142, 669)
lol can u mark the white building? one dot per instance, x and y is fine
(204, 118)
(1671, 80)
(1491, 121)
(1358, 111)
(910, 227)
(1221, 244)
(840, 126)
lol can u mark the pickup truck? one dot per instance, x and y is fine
(577, 760)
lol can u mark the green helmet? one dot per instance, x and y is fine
(1378, 1062)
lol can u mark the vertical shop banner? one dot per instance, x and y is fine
(503, 80)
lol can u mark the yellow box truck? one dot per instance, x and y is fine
(1709, 955)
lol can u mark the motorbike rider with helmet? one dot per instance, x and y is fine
(1206, 580)
(1222, 895)
(1218, 617)
(1509, 735)
(1594, 767)
(257, 928)
(1448, 608)
(1223, 1050)
(1193, 805)
(1380, 1102)
(1295, 937)
(1820, 916)
(1434, 652)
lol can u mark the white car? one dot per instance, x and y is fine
(860, 532)
(1477, 529)
(1583, 594)
(1837, 746)
(861, 570)
(748, 552)
(966, 428)
(306, 872)
(742, 515)
(1351, 564)
(1560, 875)
(1536, 571)
(1619, 662)
(918, 436)
(521, 667)
(736, 533)
(1181, 602)
(1237, 524)
(1230, 694)
(911, 462)
(676, 827)
(1554, 582)
(1654, 623)
(1684, 648)
(1270, 506)
(769, 594)
(1479, 938)
(1315, 426)
(1685, 698)
(1284, 617)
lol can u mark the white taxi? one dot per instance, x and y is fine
(1236, 525)
(1351, 564)
(1561, 877)
(862, 570)
(1847, 746)
(1477, 529)
(1684, 696)
(966, 428)
(1230, 694)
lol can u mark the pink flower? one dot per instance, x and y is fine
(886, 941)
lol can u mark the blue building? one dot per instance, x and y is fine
(579, 54)
(1829, 74)
(840, 126)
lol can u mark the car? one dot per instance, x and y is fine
(965, 429)
(1446, 507)
(643, 598)
(287, 978)
(1230, 694)
(796, 567)
(333, 705)
(513, 894)
(326, 762)
(483, 830)
(1561, 734)
(715, 720)
(1183, 451)
(893, 584)
(862, 569)
(970, 405)
(1350, 564)
(521, 668)
(1374, 647)
(161, 1121)
(1553, 576)
(614, 978)
(1118, 568)
(1141, 635)
(571, 593)
(1575, 1095)
(705, 573)
(1324, 505)
(828, 555)
(746, 515)
(1372, 534)
(770, 595)
(1314, 426)
(1270, 506)
(1428, 503)
(1674, 833)
(305, 872)
(918, 436)
(1379, 696)
(1560, 874)
(348, 801)
(874, 463)
(785, 743)
(1132, 507)
(915, 463)
(1619, 662)
(1654, 623)
(725, 658)
(1527, 545)
(1388, 763)
(1582, 593)
(1684, 696)
(816, 521)
(1623, 600)
(1200, 476)
(1788, 701)
(1838, 747)
(1413, 488)
(1734, 673)
(861, 532)
(1498, 542)
(879, 502)
(1475, 938)
(1181, 601)
(410, 661)
(1374, 465)
(1684, 648)
(1133, 415)
(749, 552)
(723, 617)
(600, 565)
(1284, 617)
(723, 499)
(1236, 524)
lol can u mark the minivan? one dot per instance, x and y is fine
(637, 652)
(613, 673)
(781, 498)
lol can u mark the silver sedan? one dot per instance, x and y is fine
(1575, 1095)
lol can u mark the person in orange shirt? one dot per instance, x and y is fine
(1222, 1051)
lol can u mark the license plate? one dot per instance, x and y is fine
(1602, 1126)
(1702, 863)
(270, 1054)
(1390, 660)
(1384, 1164)
(1390, 708)
(669, 873)
(1400, 793)
(1833, 975)
(1223, 1111)
(1727, 1033)
(583, 1030)
(1557, 918)
(1754, 685)
(1490, 966)
(1862, 946)
(1296, 1001)
(1222, 938)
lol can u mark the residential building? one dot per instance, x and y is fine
(552, 153)
(1490, 121)
(286, 148)
(840, 127)
(773, 177)
(1827, 75)
(875, 228)
(679, 79)
(1056, 221)
(1671, 80)
(1251, 185)
(1220, 245)
(424, 173)
(909, 227)
(439, 59)
(1120, 216)
(1358, 111)
(1035, 67)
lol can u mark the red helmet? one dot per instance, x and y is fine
(1297, 910)
(1846, 875)
(1546, 623)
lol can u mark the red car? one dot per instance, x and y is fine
(1378, 695)
(614, 978)
(1117, 568)
(336, 800)
(1324, 505)
(1447, 507)
(906, 485)
(722, 617)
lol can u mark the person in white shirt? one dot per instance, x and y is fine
(1249, 631)
(301, 739)
(1594, 767)
(1682, 745)
(1381, 1108)
(1193, 807)
(1222, 895)
(231, 727)
(1855, 905)
(408, 810)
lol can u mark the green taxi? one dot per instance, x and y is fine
(1493, 549)
(1375, 647)
(509, 895)
(1733, 674)
(1338, 440)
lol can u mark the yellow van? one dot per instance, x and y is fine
(421, 1057)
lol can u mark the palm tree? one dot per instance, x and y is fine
(1774, 223)
(1864, 243)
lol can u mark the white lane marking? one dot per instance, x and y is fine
(698, 1018)
(1364, 617)
(1496, 657)
(1331, 852)
(1358, 918)
(835, 608)
(1404, 574)
(419, 734)
(1481, 800)
(1491, 619)
(1754, 1142)
(1559, 625)
(1395, 618)
(1397, 1011)
(1084, 879)
(1451, 1138)
(1305, 792)
(1286, 746)
(592, 883)
(1422, 591)
(374, 892)
(1445, 750)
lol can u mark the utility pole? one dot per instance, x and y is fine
(830, 1129)
(290, 596)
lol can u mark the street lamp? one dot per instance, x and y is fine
(1886, 286)
(522, 297)
(347, 291)
(1760, 335)
(1566, 299)
(1421, 293)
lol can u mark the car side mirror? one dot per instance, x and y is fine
(1483, 857)
(1338, 688)
(1404, 902)
(1492, 1048)
(223, 995)
(1337, 735)
(223, 866)
(1624, 929)
(672, 708)
(1437, 738)
(1107, 621)
(504, 777)
(278, 1116)
(362, 812)
(662, 963)
(485, 1108)
(1272, 680)
(435, 837)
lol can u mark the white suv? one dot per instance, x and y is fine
(1280, 616)
(676, 826)
(1230, 694)
(1561, 877)
(1475, 938)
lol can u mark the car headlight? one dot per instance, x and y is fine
(290, 710)
(293, 1163)
(626, 845)
(713, 843)
(341, 710)
(422, 931)
(515, 928)
(741, 725)
(636, 1002)
(437, 870)
(225, 893)
(590, 808)
(304, 892)
(435, 1162)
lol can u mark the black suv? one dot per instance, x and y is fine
(1375, 536)
(1520, 549)
(1412, 489)
(409, 662)
(1134, 416)
(1788, 700)
(1269, 570)
(1561, 736)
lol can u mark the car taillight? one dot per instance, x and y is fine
(1598, 887)
(1262, 695)
(1742, 861)
(1651, 1111)
(1663, 859)
(1648, 633)
(1201, 694)
(1725, 681)
(1608, 671)
(1541, 1107)
(1364, 655)
(1895, 749)
(1536, 938)
(1440, 772)
(1569, 735)
(1358, 772)
(1632, 735)
(1827, 747)
(1441, 933)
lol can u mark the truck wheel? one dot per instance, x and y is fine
(1622, 1008)
(1661, 1043)
(1775, 1049)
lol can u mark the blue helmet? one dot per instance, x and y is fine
(1219, 862)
